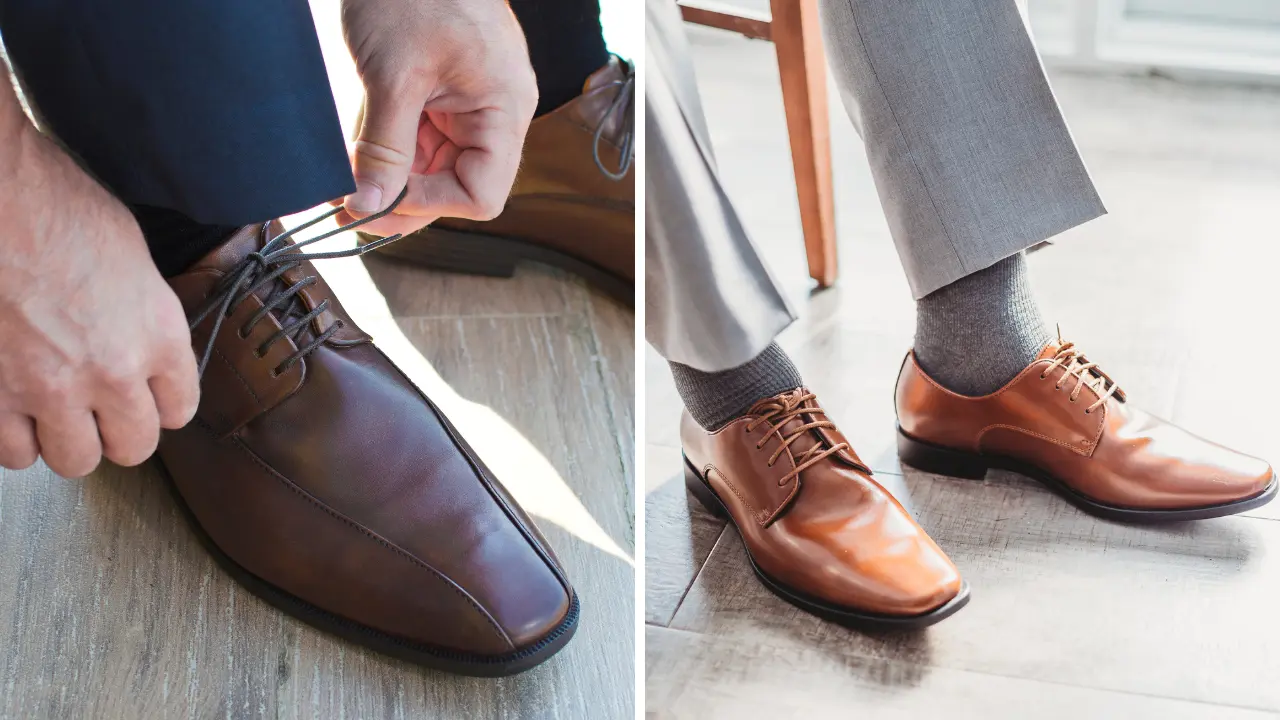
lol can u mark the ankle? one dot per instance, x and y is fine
(715, 398)
(976, 334)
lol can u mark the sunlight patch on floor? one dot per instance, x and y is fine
(514, 460)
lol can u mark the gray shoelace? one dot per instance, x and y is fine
(265, 267)
(622, 103)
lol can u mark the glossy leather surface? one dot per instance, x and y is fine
(338, 482)
(1115, 454)
(561, 200)
(831, 532)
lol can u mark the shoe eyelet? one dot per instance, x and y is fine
(1086, 412)
(257, 353)
(1071, 399)
(242, 334)
(275, 373)
(1044, 376)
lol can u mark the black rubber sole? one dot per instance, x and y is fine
(842, 615)
(957, 463)
(480, 254)
(425, 655)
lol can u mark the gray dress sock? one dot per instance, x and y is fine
(976, 334)
(716, 398)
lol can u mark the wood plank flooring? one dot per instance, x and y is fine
(109, 608)
(1071, 617)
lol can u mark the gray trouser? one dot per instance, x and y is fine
(970, 155)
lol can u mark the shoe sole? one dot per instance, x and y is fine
(481, 254)
(449, 661)
(840, 614)
(940, 460)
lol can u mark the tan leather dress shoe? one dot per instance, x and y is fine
(1065, 423)
(324, 481)
(573, 204)
(819, 532)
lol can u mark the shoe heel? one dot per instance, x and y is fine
(702, 492)
(940, 460)
(456, 252)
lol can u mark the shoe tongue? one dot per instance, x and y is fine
(790, 400)
(1049, 350)
(598, 93)
(613, 71)
(236, 248)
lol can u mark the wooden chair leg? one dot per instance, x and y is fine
(798, 39)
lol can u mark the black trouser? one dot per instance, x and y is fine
(220, 111)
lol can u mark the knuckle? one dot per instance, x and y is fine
(381, 154)
(53, 390)
(119, 380)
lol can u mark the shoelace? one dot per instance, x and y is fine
(777, 414)
(1073, 364)
(266, 266)
(621, 103)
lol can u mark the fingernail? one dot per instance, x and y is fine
(366, 199)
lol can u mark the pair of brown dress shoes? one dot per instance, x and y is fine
(825, 536)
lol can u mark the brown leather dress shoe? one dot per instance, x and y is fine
(324, 481)
(820, 533)
(1065, 423)
(573, 204)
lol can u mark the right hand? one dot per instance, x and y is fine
(95, 355)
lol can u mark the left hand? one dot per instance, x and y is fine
(449, 94)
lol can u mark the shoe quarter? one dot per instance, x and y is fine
(238, 384)
(739, 472)
(1037, 408)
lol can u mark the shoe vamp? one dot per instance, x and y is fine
(359, 437)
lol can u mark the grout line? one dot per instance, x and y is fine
(679, 603)
(600, 362)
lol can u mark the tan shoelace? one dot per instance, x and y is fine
(1073, 364)
(775, 413)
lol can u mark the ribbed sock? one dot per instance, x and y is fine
(176, 241)
(566, 45)
(714, 399)
(976, 334)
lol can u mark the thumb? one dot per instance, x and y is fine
(384, 150)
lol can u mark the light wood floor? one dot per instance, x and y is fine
(109, 608)
(1071, 617)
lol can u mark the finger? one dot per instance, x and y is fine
(69, 442)
(384, 151)
(488, 171)
(176, 389)
(390, 224)
(18, 448)
(129, 427)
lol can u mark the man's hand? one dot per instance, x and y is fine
(95, 356)
(449, 94)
